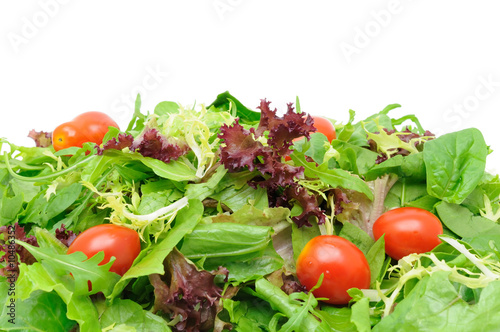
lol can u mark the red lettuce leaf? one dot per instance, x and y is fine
(187, 294)
(154, 145)
(281, 175)
(292, 285)
(123, 141)
(283, 130)
(65, 236)
(42, 139)
(8, 247)
(340, 199)
(241, 148)
(309, 203)
(149, 144)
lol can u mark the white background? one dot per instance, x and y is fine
(439, 59)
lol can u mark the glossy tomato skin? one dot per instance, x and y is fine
(95, 125)
(86, 127)
(408, 230)
(343, 265)
(67, 135)
(118, 241)
(325, 127)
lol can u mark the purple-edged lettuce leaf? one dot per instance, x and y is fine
(186, 293)
(151, 143)
(12, 254)
(42, 139)
(242, 148)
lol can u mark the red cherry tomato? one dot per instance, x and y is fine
(66, 135)
(118, 241)
(87, 127)
(408, 230)
(325, 127)
(343, 265)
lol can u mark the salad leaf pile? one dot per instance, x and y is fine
(224, 199)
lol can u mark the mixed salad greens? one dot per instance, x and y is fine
(224, 198)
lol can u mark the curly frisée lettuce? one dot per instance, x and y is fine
(154, 223)
(224, 199)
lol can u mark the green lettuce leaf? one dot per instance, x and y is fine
(333, 177)
(245, 250)
(40, 211)
(132, 315)
(42, 311)
(376, 258)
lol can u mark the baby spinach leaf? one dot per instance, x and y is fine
(455, 164)
(225, 239)
(225, 99)
(245, 250)
(403, 193)
(426, 202)
(485, 243)
(357, 236)
(248, 267)
(463, 223)
(435, 305)
(411, 166)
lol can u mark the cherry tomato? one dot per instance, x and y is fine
(408, 230)
(343, 265)
(118, 241)
(325, 127)
(87, 127)
(66, 135)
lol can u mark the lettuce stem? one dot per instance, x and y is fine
(471, 257)
(45, 177)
